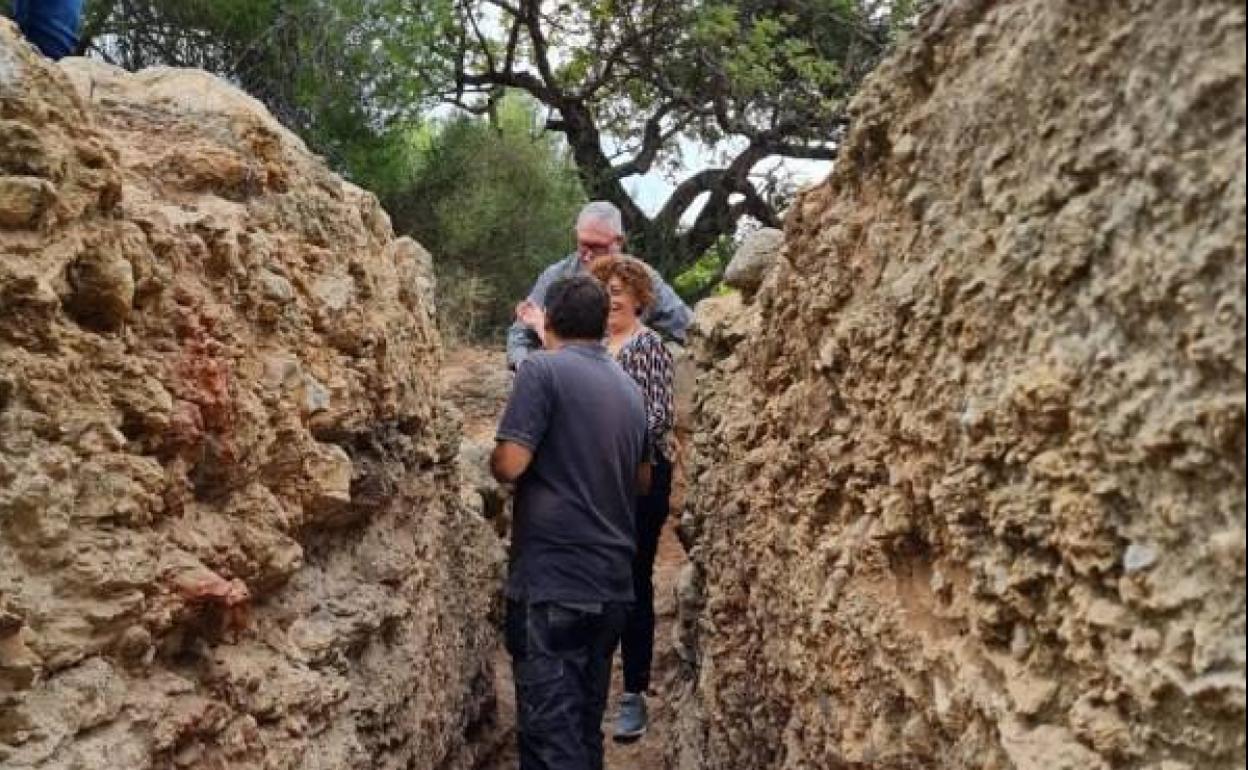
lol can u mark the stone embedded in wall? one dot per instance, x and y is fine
(756, 254)
(416, 275)
(23, 200)
(969, 471)
(231, 529)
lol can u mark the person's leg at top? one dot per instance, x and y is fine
(51, 25)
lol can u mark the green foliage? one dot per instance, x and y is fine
(494, 201)
(342, 73)
(751, 79)
(704, 277)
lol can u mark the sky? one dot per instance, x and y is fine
(650, 191)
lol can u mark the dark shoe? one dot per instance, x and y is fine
(630, 718)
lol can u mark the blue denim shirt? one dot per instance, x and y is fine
(669, 315)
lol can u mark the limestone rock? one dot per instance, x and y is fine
(756, 254)
(23, 200)
(224, 541)
(968, 473)
(415, 266)
(101, 289)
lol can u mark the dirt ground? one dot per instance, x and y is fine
(477, 381)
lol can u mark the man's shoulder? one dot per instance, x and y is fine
(549, 362)
(593, 363)
(537, 362)
(559, 266)
(656, 278)
(549, 275)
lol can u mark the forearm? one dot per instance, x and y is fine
(521, 341)
(509, 461)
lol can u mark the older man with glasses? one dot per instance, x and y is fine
(599, 233)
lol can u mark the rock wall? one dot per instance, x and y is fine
(969, 470)
(231, 533)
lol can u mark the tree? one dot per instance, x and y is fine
(494, 201)
(754, 78)
(341, 73)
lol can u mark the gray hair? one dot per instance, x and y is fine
(602, 212)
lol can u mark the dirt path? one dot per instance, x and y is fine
(477, 382)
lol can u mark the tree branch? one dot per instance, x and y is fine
(685, 194)
(653, 137)
(532, 16)
(483, 43)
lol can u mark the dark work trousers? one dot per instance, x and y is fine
(561, 663)
(637, 648)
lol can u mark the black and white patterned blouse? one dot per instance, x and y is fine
(648, 361)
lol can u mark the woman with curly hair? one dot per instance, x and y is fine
(641, 353)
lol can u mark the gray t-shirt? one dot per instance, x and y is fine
(573, 536)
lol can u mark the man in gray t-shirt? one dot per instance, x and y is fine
(599, 233)
(573, 439)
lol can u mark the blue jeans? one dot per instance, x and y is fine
(561, 661)
(52, 25)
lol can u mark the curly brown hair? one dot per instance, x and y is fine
(631, 271)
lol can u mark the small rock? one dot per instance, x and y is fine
(919, 199)
(689, 589)
(23, 200)
(316, 397)
(328, 470)
(24, 150)
(101, 289)
(1139, 556)
(1030, 694)
(1146, 640)
(10, 623)
(134, 643)
(19, 665)
(756, 254)
(417, 281)
(903, 149)
(1020, 641)
(334, 292)
(1226, 546)
(275, 287)
(280, 371)
(7, 388)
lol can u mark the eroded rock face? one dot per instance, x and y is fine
(969, 484)
(231, 529)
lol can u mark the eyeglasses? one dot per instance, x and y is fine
(595, 249)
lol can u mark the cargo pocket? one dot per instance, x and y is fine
(568, 629)
(543, 705)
